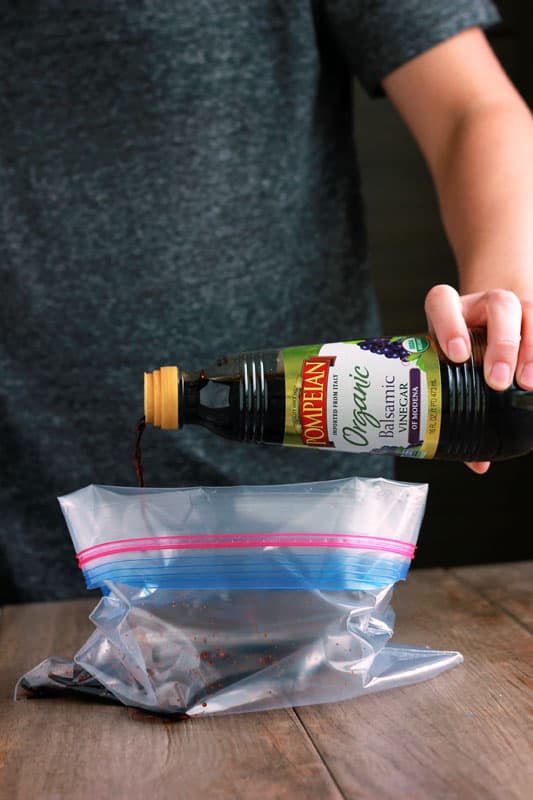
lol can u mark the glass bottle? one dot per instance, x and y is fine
(397, 395)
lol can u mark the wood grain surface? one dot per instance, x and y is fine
(463, 735)
(510, 588)
(466, 734)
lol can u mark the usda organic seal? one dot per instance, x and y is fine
(416, 344)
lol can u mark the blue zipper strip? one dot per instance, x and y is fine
(336, 571)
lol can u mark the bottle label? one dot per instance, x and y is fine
(367, 396)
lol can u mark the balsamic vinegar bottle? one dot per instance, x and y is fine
(397, 395)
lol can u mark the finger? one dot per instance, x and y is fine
(504, 321)
(524, 370)
(479, 467)
(445, 319)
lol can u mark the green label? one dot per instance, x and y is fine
(367, 395)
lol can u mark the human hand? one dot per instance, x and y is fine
(509, 323)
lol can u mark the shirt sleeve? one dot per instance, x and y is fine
(376, 36)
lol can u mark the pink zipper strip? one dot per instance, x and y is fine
(232, 540)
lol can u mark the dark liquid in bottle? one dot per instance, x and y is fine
(242, 397)
(479, 423)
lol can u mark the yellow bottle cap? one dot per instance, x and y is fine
(161, 397)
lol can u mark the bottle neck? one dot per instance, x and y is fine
(239, 397)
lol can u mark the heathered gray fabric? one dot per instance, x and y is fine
(377, 36)
(177, 181)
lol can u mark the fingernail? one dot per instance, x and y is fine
(526, 374)
(458, 349)
(501, 374)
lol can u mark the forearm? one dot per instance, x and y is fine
(476, 134)
(484, 180)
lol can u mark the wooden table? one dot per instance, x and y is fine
(466, 734)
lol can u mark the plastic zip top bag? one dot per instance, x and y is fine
(346, 534)
(243, 598)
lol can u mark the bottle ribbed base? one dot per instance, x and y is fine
(465, 407)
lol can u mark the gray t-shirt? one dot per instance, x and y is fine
(177, 181)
